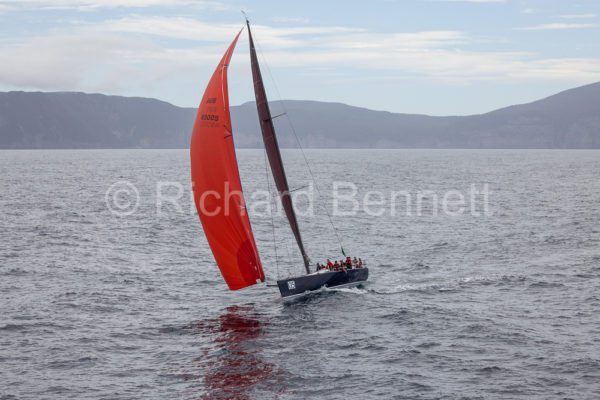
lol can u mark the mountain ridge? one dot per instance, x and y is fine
(30, 120)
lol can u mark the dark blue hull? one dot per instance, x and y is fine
(297, 286)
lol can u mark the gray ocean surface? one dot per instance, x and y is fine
(94, 305)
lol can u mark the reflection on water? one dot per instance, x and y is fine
(233, 367)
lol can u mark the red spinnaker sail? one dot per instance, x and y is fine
(217, 187)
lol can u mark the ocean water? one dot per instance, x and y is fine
(501, 301)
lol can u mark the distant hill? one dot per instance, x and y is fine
(68, 120)
(34, 120)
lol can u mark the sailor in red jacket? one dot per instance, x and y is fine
(329, 264)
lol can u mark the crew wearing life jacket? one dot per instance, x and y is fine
(342, 265)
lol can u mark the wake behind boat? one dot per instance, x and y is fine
(215, 177)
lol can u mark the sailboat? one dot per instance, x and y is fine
(218, 194)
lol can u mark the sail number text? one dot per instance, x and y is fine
(209, 117)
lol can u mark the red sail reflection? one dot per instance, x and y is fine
(234, 367)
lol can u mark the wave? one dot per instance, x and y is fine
(36, 325)
(542, 284)
(354, 290)
(14, 272)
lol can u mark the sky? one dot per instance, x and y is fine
(436, 57)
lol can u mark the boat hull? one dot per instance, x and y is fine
(295, 287)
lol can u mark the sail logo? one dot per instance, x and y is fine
(291, 285)
(211, 100)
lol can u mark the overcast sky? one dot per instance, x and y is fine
(437, 57)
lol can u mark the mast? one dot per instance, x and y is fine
(272, 148)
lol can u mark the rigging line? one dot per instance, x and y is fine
(224, 68)
(271, 212)
(335, 231)
(289, 254)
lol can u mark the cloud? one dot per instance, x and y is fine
(59, 61)
(297, 20)
(472, 1)
(448, 65)
(569, 69)
(557, 26)
(191, 29)
(577, 16)
(140, 53)
(277, 37)
(400, 41)
(93, 60)
(8, 5)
